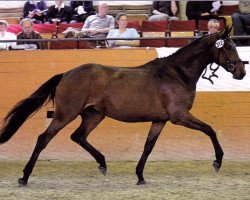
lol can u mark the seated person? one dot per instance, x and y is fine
(35, 11)
(4, 35)
(164, 10)
(200, 10)
(100, 24)
(29, 33)
(59, 13)
(242, 18)
(81, 10)
(213, 26)
(123, 32)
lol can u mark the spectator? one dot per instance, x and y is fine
(35, 11)
(123, 32)
(81, 10)
(4, 35)
(164, 10)
(213, 26)
(241, 19)
(203, 10)
(100, 24)
(29, 33)
(59, 13)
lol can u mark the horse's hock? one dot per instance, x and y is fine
(21, 72)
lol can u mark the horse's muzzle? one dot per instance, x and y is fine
(239, 75)
(239, 71)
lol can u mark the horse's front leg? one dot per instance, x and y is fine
(153, 135)
(187, 120)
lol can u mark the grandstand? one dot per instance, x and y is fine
(138, 11)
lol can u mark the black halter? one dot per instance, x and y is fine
(230, 65)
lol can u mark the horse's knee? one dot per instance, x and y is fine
(75, 137)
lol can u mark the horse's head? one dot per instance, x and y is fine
(226, 55)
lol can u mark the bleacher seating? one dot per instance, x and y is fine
(130, 10)
(11, 15)
(154, 29)
(134, 24)
(181, 28)
(227, 11)
(137, 15)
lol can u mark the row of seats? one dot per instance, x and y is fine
(148, 29)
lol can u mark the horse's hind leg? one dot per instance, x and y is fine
(55, 126)
(90, 119)
(187, 120)
(153, 135)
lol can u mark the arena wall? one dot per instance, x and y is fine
(21, 72)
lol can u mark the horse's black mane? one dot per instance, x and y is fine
(195, 45)
(161, 66)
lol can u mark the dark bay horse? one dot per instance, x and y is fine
(159, 91)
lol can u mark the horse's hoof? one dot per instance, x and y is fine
(22, 182)
(103, 170)
(216, 166)
(141, 182)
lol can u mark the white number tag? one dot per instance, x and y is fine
(219, 44)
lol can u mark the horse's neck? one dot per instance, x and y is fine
(193, 61)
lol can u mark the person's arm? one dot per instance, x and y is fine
(111, 26)
(156, 12)
(174, 7)
(86, 27)
(110, 35)
(25, 10)
(132, 43)
(155, 9)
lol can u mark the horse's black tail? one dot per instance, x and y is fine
(23, 109)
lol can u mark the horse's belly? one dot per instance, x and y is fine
(136, 112)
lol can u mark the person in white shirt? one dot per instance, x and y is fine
(123, 32)
(98, 26)
(4, 35)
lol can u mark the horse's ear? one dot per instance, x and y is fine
(226, 32)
